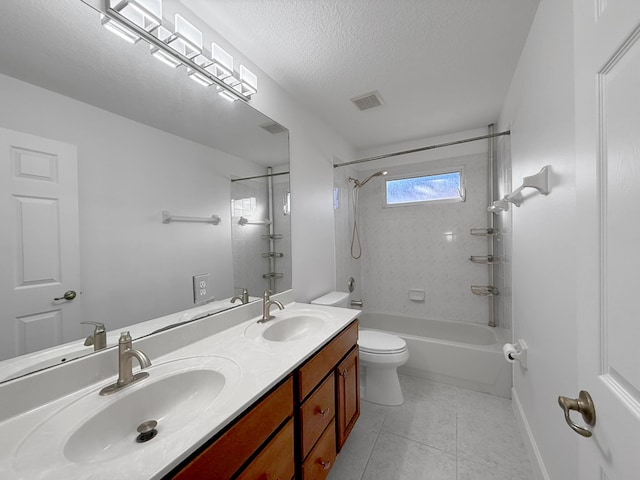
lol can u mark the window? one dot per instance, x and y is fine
(241, 207)
(425, 188)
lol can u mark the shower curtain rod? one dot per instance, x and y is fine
(266, 175)
(421, 149)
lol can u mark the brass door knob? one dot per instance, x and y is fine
(70, 295)
(584, 405)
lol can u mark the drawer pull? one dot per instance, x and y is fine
(325, 465)
(325, 413)
(343, 374)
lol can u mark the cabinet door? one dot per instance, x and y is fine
(347, 396)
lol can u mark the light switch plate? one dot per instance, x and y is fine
(201, 291)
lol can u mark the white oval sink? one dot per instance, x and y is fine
(95, 429)
(288, 326)
(292, 328)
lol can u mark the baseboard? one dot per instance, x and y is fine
(539, 470)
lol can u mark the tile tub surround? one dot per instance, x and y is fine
(440, 433)
(25, 403)
(426, 247)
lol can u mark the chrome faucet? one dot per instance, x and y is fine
(266, 306)
(125, 365)
(244, 298)
(98, 338)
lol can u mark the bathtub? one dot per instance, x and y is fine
(457, 353)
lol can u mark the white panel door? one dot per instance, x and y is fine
(39, 244)
(607, 72)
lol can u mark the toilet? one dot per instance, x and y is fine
(380, 355)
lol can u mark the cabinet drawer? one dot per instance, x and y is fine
(316, 413)
(310, 374)
(275, 461)
(322, 457)
(229, 452)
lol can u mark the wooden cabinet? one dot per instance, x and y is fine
(318, 463)
(230, 451)
(317, 367)
(275, 461)
(328, 403)
(316, 413)
(347, 396)
(294, 431)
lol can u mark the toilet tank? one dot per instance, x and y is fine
(333, 299)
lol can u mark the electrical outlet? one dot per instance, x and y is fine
(201, 292)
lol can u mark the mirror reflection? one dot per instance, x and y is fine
(98, 139)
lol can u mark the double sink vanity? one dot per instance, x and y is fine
(227, 396)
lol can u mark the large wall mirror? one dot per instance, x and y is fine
(90, 119)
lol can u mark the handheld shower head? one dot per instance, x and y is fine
(359, 183)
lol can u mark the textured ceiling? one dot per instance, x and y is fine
(440, 66)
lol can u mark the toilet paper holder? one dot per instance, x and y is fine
(516, 352)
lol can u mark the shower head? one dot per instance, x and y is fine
(359, 183)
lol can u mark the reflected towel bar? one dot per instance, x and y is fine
(484, 259)
(484, 290)
(244, 221)
(168, 218)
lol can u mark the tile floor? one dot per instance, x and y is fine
(440, 433)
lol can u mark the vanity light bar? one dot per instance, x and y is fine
(222, 62)
(147, 14)
(187, 39)
(196, 76)
(182, 47)
(248, 82)
(118, 29)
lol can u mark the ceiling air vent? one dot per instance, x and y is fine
(367, 101)
(273, 128)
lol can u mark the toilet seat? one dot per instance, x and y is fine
(380, 343)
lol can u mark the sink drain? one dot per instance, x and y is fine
(147, 431)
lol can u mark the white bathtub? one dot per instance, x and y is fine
(457, 353)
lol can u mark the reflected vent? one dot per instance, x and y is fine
(367, 101)
(273, 128)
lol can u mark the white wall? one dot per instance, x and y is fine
(539, 109)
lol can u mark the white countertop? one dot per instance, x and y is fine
(262, 364)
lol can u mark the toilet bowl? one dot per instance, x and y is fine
(380, 356)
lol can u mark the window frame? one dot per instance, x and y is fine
(425, 173)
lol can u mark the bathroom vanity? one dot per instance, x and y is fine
(298, 427)
(232, 397)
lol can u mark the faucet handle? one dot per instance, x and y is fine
(99, 326)
(125, 337)
(267, 294)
